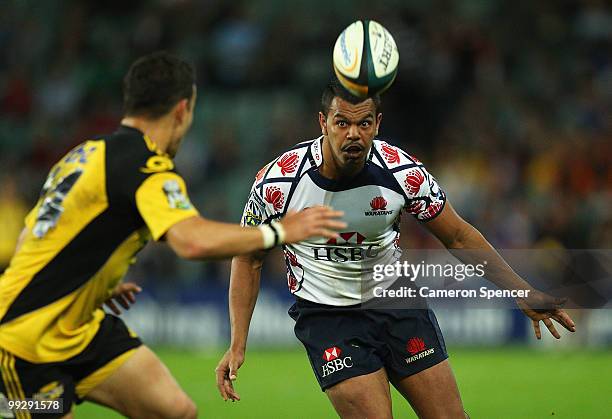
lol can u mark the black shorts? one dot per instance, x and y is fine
(345, 342)
(72, 379)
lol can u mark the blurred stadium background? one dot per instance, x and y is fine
(508, 103)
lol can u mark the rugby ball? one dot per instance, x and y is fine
(365, 58)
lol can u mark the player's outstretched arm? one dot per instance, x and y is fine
(244, 288)
(200, 238)
(457, 234)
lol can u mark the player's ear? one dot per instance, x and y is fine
(323, 123)
(181, 109)
(378, 120)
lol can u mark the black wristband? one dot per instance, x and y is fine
(276, 237)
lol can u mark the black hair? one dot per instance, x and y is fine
(335, 89)
(155, 83)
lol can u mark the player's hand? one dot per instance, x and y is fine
(125, 295)
(319, 221)
(227, 373)
(543, 307)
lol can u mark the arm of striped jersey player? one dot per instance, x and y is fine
(471, 247)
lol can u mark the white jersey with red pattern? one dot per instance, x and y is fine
(339, 271)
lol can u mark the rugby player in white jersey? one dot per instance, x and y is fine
(355, 352)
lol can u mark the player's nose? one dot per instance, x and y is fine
(353, 132)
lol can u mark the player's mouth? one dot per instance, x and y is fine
(353, 151)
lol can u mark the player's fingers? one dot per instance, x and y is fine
(220, 375)
(565, 320)
(536, 329)
(327, 233)
(336, 225)
(110, 304)
(231, 392)
(130, 286)
(122, 299)
(332, 213)
(323, 211)
(131, 297)
(551, 328)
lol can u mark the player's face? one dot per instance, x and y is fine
(350, 130)
(184, 119)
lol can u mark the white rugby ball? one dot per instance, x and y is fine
(365, 58)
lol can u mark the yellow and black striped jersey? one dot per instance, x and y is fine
(99, 206)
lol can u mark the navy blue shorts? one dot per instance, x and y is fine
(345, 342)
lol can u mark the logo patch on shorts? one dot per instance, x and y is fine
(51, 391)
(333, 361)
(5, 411)
(416, 347)
(332, 353)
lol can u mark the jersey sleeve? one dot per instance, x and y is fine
(259, 210)
(255, 211)
(425, 199)
(162, 201)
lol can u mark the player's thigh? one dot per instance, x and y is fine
(143, 388)
(363, 396)
(433, 392)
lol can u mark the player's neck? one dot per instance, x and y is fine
(158, 131)
(331, 169)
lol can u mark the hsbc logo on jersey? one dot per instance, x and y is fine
(416, 347)
(334, 362)
(379, 207)
(343, 249)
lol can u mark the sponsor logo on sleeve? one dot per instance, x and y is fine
(414, 180)
(275, 197)
(390, 154)
(288, 163)
(176, 198)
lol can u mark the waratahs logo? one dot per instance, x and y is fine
(378, 204)
(416, 347)
(414, 180)
(275, 197)
(379, 207)
(288, 163)
(390, 154)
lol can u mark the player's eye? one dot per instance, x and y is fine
(342, 124)
(366, 124)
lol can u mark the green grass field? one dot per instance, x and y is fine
(494, 383)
